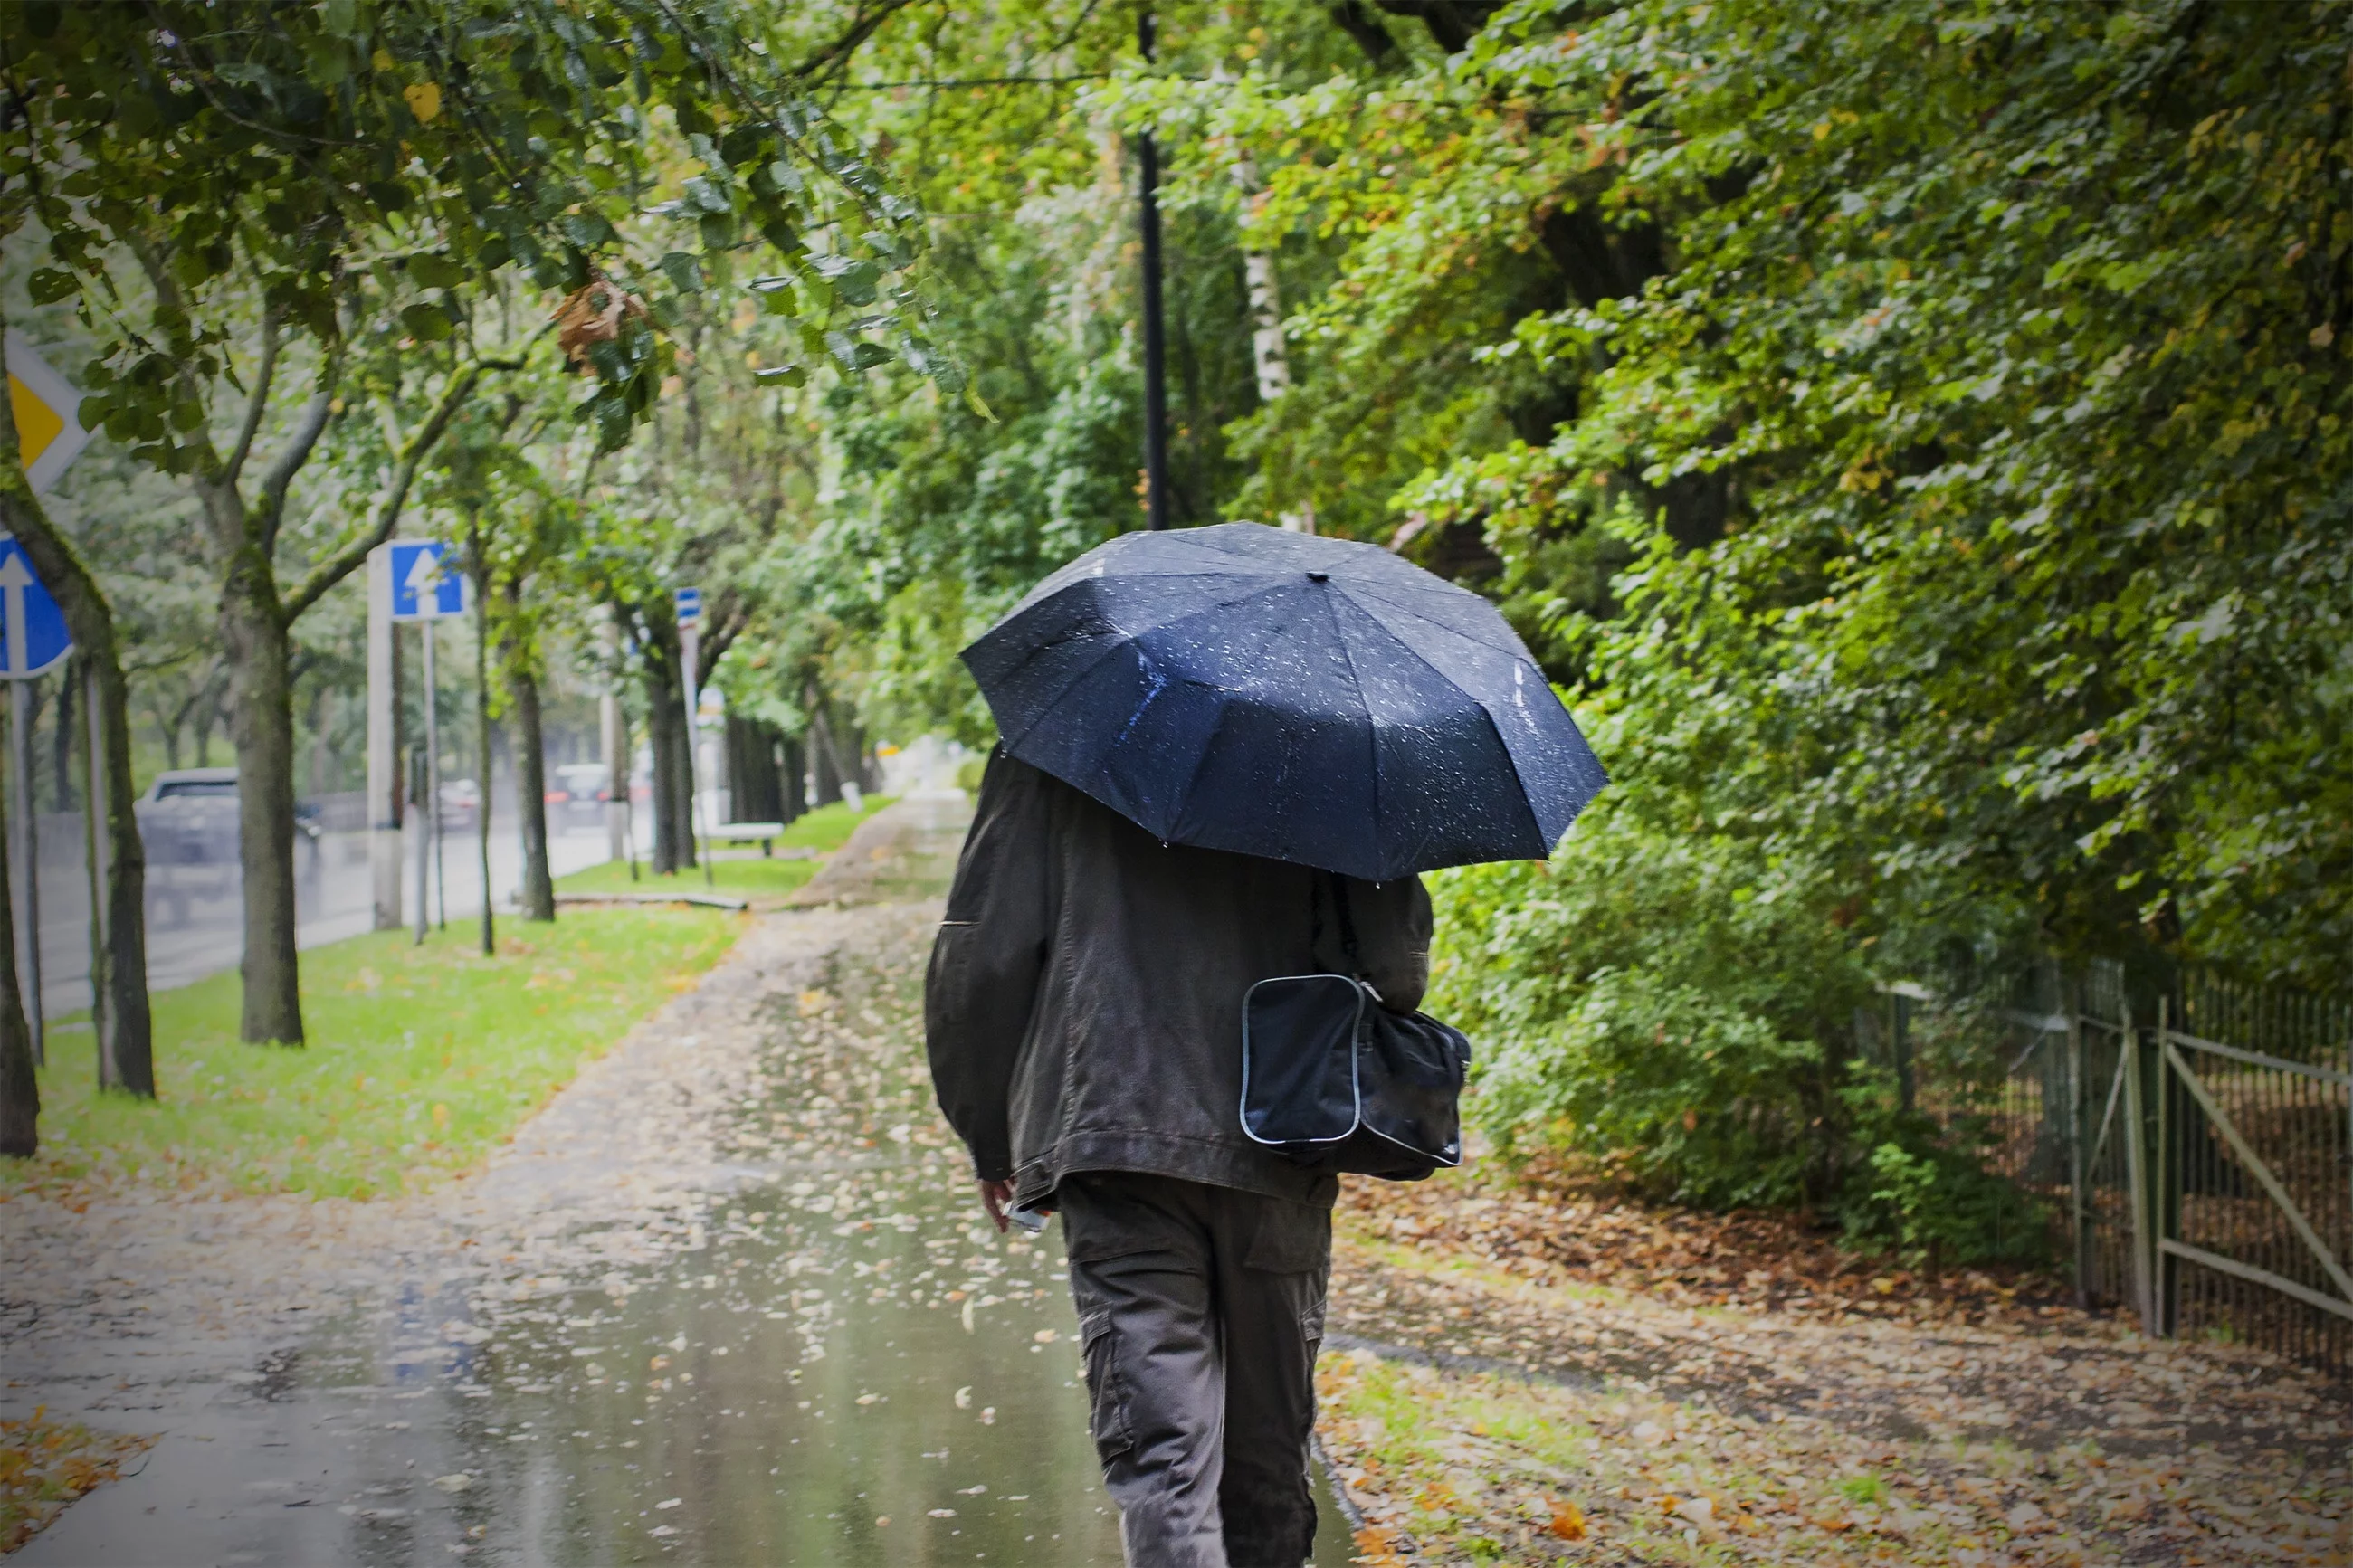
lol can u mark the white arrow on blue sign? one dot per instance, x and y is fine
(426, 583)
(689, 607)
(33, 637)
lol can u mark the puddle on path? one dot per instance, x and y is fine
(837, 1362)
(789, 1394)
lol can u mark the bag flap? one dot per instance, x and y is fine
(1299, 1071)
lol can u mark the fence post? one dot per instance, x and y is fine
(2078, 1164)
(1900, 1043)
(2165, 1283)
(2137, 1175)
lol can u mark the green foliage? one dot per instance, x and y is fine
(937, 517)
(2014, 331)
(1936, 1205)
(2005, 337)
(415, 151)
(1669, 994)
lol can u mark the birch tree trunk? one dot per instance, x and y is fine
(1269, 353)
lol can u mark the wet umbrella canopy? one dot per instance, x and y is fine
(1305, 699)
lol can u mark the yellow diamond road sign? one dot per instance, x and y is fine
(48, 428)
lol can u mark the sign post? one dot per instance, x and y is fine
(689, 648)
(32, 641)
(386, 786)
(615, 745)
(424, 587)
(49, 436)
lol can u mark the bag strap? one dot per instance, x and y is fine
(1347, 926)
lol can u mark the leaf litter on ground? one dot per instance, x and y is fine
(1542, 1369)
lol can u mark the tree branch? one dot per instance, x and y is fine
(308, 428)
(1351, 17)
(836, 56)
(256, 402)
(344, 562)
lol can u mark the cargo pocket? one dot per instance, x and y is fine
(1290, 1239)
(1106, 1385)
(1311, 1325)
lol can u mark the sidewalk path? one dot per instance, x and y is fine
(727, 1300)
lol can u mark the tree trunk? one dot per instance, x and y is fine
(853, 763)
(682, 791)
(262, 727)
(793, 762)
(755, 777)
(826, 761)
(20, 1091)
(62, 748)
(538, 891)
(664, 721)
(129, 1042)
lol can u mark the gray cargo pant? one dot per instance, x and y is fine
(1201, 1311)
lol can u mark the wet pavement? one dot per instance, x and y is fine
(728, 1301)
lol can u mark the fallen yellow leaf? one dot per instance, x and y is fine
(1568, 1519)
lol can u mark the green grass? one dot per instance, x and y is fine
(741, 869)
(421, 1061)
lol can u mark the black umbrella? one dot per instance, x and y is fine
(1305, 699)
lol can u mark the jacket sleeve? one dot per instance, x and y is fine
(987, 961)
(1393, 925)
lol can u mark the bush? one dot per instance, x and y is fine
(1671, 1003)
(1934, 1204)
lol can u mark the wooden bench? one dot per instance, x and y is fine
(761, 833)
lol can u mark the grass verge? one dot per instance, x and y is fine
(1470, 1467)
(44, 1465)
(741, 870)
(421, 1061)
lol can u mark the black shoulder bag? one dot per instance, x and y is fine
(1333, 1079)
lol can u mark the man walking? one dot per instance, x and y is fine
(1083, 1012)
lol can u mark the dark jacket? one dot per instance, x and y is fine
(1084, 1005)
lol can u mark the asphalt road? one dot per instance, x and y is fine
(195, 922)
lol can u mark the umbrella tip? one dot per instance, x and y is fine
(1319, 577)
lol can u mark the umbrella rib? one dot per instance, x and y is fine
(1398, 604)
(1493, 729)
(1127, 638)
(1372, 740)
(1201, 763)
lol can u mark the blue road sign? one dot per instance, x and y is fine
(33, 637)
(426, 583)
(689, 607)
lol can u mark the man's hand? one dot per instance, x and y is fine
(997, 1197)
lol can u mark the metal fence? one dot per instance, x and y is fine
(2186, 1145)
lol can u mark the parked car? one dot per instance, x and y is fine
(461, 803)
(577, 800)
(188, 817)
